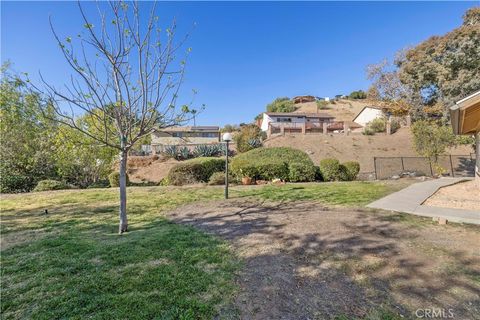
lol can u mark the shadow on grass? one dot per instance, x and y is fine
(353, 264)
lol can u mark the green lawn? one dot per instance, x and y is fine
(71, 263)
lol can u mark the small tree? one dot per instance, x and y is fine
(360, 94)
(281, 105)
(431, 139)
(126, 73)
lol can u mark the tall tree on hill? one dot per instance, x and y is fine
(386, 88)
(126, 72)
(444, 69)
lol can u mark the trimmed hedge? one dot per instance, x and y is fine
(274, 163)
(195, 170)
(47, 185)
(330, 169)
(301, 172)
(114, 179)
(352, 168)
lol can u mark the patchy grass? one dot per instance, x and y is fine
(70, 263)
(334, 193)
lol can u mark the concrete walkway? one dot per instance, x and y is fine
(410, 199)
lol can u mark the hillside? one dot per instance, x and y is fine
(342, 110)
(356, 147)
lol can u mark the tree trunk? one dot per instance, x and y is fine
(123, 226)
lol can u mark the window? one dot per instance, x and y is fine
(284, 119)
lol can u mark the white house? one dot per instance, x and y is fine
(183, 136)
(294, 120)
(368, 114)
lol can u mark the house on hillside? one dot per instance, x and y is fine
(294, 120)
(303, 99)
(368, 114)
(191, 135)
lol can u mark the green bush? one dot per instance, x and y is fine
(217, 178)
(249, 137)
(322, 104)
(274, 163)
(47, 185)
(195, 170)
(301, 172)
(394, 125)
(377, 125)
(342, 174)
(352, 168)
(329, 169)
(368, 131)
(114, 179)
(360, 94)
(281, 105)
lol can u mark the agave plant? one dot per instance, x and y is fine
(204, 150)
(254, 143)
(184, 153)
(171, 151)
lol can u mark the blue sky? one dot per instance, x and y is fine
(247, 53)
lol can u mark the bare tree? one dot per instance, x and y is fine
(126, 75)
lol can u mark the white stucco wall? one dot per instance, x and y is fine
(274, 120)
(265, 121)
(367, 115)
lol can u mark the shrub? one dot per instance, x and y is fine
(342, 174)
(281, 105)
(274, 163)
(217, 178)
(329, 169)
(394, 125)
(352, 168)
(185, 173)
(368, 131)
(360, 94)
(377, 125)
(114, 179)
(247, 134)
(301, 172)
(195, 170)
(47, 185)
(322, 104)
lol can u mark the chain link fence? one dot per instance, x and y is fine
(452, 165)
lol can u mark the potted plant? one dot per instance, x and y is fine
(248, 174)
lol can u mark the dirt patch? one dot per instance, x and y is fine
(153, 171)
(464, 195)
(307, 261)
(342, 110)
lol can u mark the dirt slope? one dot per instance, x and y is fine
(356, 147)
(149, 169)
(342, 110)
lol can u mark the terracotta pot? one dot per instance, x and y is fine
(246, 181)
